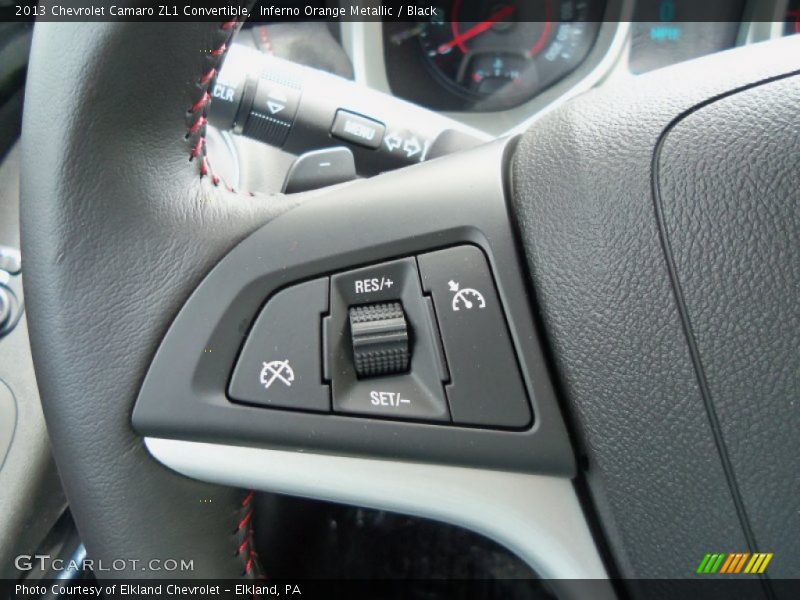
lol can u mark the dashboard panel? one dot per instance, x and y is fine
(491, 70)
(498, 66)
(483, 56)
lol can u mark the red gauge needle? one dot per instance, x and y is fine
(476, 29)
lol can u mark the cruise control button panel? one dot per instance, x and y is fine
(422, 338)
(281, 362)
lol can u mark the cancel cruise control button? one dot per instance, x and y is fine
(281, 362)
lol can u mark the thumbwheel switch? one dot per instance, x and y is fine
(380, 339)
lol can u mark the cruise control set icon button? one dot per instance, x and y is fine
(486, 386)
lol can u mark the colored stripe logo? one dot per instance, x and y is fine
(734, 563)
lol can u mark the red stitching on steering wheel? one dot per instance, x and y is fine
(199, 110)
(244, 534)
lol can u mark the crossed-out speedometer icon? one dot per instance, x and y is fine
(277, 370)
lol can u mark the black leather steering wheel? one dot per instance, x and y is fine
(133, 220)
(660, 227)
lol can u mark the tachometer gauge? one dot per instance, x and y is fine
(499, 54)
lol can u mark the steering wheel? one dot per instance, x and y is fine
(643, 241)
